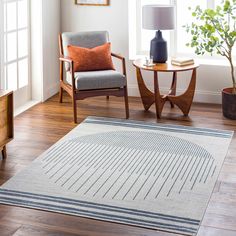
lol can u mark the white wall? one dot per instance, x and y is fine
(114, 19)
(36, 50)
(51, 29)
(45, 27)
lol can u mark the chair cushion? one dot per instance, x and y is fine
(84, 39)
(86, 59)
(102, 79)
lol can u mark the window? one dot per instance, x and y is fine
(177, 39)
(184, 16)
(15, 44)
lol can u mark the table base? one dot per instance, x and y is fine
(183, 101)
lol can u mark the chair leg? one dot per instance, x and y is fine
(74, 110)
(4, 153)
(61, 95)
(126, 102)
(107, 97)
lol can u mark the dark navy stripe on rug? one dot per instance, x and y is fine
(100, 206)
(151, 126)
(98, 215)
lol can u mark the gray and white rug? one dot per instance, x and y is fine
(150, 175)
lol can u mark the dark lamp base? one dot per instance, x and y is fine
(159, 48)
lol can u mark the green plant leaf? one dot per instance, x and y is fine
(213, 31)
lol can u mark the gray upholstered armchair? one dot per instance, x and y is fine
(81, 85)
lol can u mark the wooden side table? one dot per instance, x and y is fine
(183, 101)
(6, 120)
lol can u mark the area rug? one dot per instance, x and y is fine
(144, 174)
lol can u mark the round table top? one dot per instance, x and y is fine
(163, 67)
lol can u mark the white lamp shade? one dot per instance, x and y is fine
(158, 17)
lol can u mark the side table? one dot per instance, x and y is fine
(183, 101)
(6, 120)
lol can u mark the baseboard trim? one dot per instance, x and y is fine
(51, 91)
(25, 107)
(200, 96)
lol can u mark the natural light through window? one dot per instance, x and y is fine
(177, 39)
(16, 44)
(184, 16)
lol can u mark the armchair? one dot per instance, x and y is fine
(81, 85)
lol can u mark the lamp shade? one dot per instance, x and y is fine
(158, 17)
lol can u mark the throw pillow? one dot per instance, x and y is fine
(86, 59)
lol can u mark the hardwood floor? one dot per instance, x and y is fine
(41, 126)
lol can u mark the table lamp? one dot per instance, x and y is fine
(158, 17)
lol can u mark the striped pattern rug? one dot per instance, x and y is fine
(149, 175)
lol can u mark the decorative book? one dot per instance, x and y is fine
(182, 61)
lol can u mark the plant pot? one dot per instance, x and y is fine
(229, 103)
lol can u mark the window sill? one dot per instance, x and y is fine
(200, 61)
(212, 62)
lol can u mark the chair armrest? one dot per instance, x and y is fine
(68, 60)
(117, 56)
(123, 61)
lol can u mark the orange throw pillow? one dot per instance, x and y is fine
(86, 59)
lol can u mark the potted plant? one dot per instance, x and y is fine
(214, 31)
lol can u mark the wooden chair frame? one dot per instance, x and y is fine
(82, 94)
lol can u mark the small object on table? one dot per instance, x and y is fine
(182, 61)
(149, 61)
(6, 120)
(183, 101)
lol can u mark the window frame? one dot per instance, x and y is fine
(135, 50)
(2, 82)
(3, 46)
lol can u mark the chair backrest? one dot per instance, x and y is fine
(88, 39)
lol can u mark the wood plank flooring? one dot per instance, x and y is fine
(41, 126)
